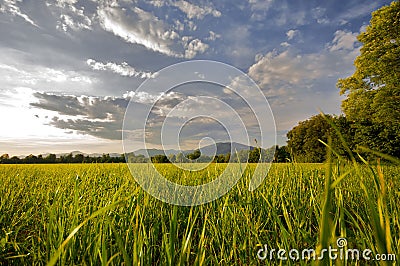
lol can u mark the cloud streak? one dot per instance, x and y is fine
(11, 7)
(140, 27)
(143, 28)
(122, 69)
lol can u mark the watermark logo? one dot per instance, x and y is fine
(341, 251)
(341, 242)
(203, 103)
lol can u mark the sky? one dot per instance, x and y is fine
(69, 68)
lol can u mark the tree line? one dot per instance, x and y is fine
(254, 155)
(52, 158)
(276, 154)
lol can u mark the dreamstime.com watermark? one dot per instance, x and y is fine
(339, 253)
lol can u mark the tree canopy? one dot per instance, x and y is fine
(303, 139)
(373, 91)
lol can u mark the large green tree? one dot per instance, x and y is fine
(303, 139)
(195, 155)
(373, 91)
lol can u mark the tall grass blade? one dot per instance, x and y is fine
(54, 258)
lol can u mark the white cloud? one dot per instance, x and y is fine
(288, 69)
(141, 28)
(157, 3)
(65, 2)
(164, 100)
(141, 97)
(11, 7)
(194, 11)
(285, 72)
(145, 29)
(194, 47)
(292, 33)
(70, 17)
(299, 85)
(343, 40)
(67, 21)
(122, 69)
(213, 36)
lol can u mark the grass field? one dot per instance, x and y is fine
(96, 214)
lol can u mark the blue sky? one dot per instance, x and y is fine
(69, 67)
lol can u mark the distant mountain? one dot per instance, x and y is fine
(222, 148)
(153, 152)
(58, 155)
(101, 154)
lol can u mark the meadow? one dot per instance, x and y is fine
(96, 214)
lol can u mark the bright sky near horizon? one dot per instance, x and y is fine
(69, 67)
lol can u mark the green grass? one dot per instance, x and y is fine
(96, 214)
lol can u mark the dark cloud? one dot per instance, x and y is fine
(104, 130)
(103, 116)
(89, 107)
(99, 117)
